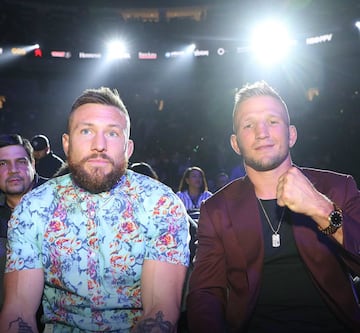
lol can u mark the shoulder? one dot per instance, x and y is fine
(139, 184)
(325, 175)
(182, 194)
(327, 181)
(235, 190)
(206, 194)
(48, 191)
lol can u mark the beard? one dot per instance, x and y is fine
(96, 181)
(259, 165)
(22, 188)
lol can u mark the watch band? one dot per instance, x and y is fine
(331, 229)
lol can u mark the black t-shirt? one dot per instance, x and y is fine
(48, 165)
(5, 213)
(288, 300)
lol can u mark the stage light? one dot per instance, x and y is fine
(116, 49)
(357, 24)
(190, 48)
(270, 42)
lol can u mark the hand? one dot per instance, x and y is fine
(295, 191)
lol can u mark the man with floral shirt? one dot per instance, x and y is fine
(107, 247)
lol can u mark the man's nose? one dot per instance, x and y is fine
(13, 167)
(261, 130)
(99, 142)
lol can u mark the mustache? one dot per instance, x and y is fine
(9, 179)
(103, 156)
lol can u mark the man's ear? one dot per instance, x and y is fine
(292, 135)
(65, 143)
(234, 144)
(129, 148)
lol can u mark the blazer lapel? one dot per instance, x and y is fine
(243, 212)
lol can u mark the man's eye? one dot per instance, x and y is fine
(2, 164)
(23, 162)
(113, 134)
(85, 131)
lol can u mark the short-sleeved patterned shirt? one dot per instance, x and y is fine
(92, 247)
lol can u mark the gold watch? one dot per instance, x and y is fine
(335, 219)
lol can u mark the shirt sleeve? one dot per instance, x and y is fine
(23, 250)
(167, 229)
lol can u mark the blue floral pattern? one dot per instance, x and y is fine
(92, 247)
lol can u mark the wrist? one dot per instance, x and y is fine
(335, 220)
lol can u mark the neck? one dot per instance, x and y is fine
(13, 200)
(265, 182)
(194, 192)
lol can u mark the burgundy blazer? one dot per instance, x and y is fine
(225, 283)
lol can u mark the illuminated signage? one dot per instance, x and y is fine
(85, 55)
(147, 55)
(18, 51)
(319, 39)
(220, 51)
(201, 53)
(61, 54)
(38, 53)
(174, 54)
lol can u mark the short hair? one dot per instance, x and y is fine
(259, 88)
(102, 95)
(17, 140)
(184, 186)
(145, 169)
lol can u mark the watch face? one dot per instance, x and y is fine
(336, 218)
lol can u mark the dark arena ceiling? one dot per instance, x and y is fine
(186, 100)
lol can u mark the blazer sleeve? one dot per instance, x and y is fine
(348, 198)
(343, 191)
(207, 288)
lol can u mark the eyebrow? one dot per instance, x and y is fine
(16, 159)
(93, 125)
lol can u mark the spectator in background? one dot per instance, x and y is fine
(104, 248)
(221, 179)
(145, 169)
(17, 177)
(46, 162)
(193, 188)
(237, 171)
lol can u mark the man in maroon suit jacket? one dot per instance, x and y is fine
(278, 248)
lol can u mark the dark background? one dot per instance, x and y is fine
(181, 108)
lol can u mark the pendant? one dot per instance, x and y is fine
(275, 240)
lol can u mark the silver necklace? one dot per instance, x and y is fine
(275, 236)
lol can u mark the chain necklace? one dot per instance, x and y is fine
(275, 235)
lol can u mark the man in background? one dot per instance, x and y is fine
(17, 177)
(47, 163)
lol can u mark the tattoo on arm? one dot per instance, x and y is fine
(22, 326)
(155, 325)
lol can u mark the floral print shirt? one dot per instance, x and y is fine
(91, 247)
